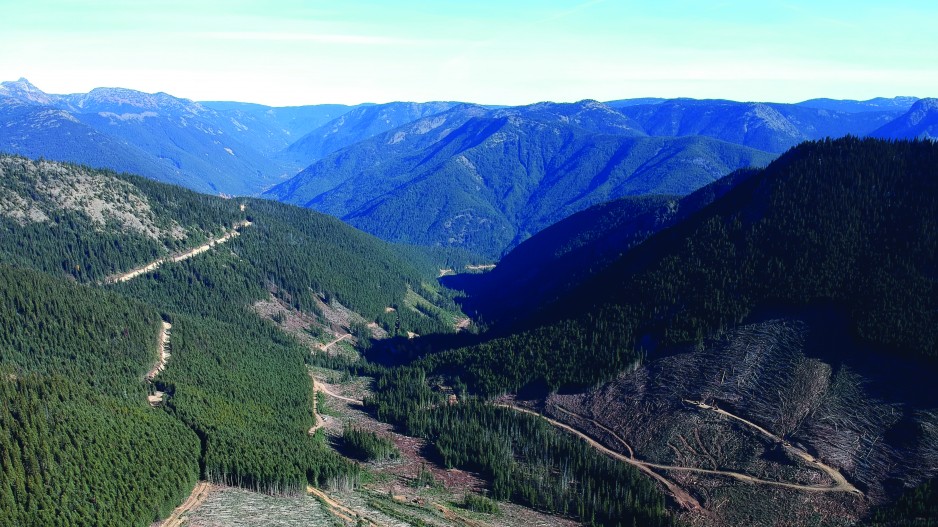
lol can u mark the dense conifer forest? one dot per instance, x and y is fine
(366, 445)
(525, 459)
(918, 507)
(83, 447)
(79, 445)
(848, 224)
(556, 260)
(246, 393)
(53, 218)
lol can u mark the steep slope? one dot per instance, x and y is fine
(789, 324)
(487, 179)
(78, 441)
(559, 258)
(88, 224)
(357, 125)
(237, 398)
(718, 407)
(811, 228)
(25, 91)
(196, 140)
(921, 121)
(212, 160)
(216, 165)
(766, 126)
(556, 258)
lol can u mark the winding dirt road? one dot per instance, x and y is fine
(684, 499)
(152, 266)
(340, 510)
(681, 496)
(319, 420)
(181, 514)
(324, 347)
(163, 351)
(321, 387)
(601, 427)
(842, 485)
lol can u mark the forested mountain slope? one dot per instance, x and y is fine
(790, 322)
(80, 443)
(557, 259)
(41, 131)
(90, 224)
(487, 179)
(274, 128)
(816, 226)
(800, 298)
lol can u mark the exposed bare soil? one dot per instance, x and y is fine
(338, 509)
(395, 478)
(162, 349)
(152, 266)
(234, 507)
(750, 428)
(841, 483)
(102, 198)
(682, 497)
(463, 324)
(198, 496)
(326, 346)
(480, 267)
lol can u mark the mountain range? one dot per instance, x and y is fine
(156, 135)
(461, 175)
(684, 329)
(764, 126)
(486, 179)
(765, 297)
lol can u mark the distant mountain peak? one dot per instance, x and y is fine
(922, 110)
(25, 91)
(927, 104)
(22, 83)
(921, 121)
(119, 100)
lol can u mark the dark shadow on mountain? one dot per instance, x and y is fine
(891, 375)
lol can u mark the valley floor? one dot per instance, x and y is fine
(392, 498)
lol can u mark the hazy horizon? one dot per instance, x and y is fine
(292, 52)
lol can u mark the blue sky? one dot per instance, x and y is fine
(287, 52)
